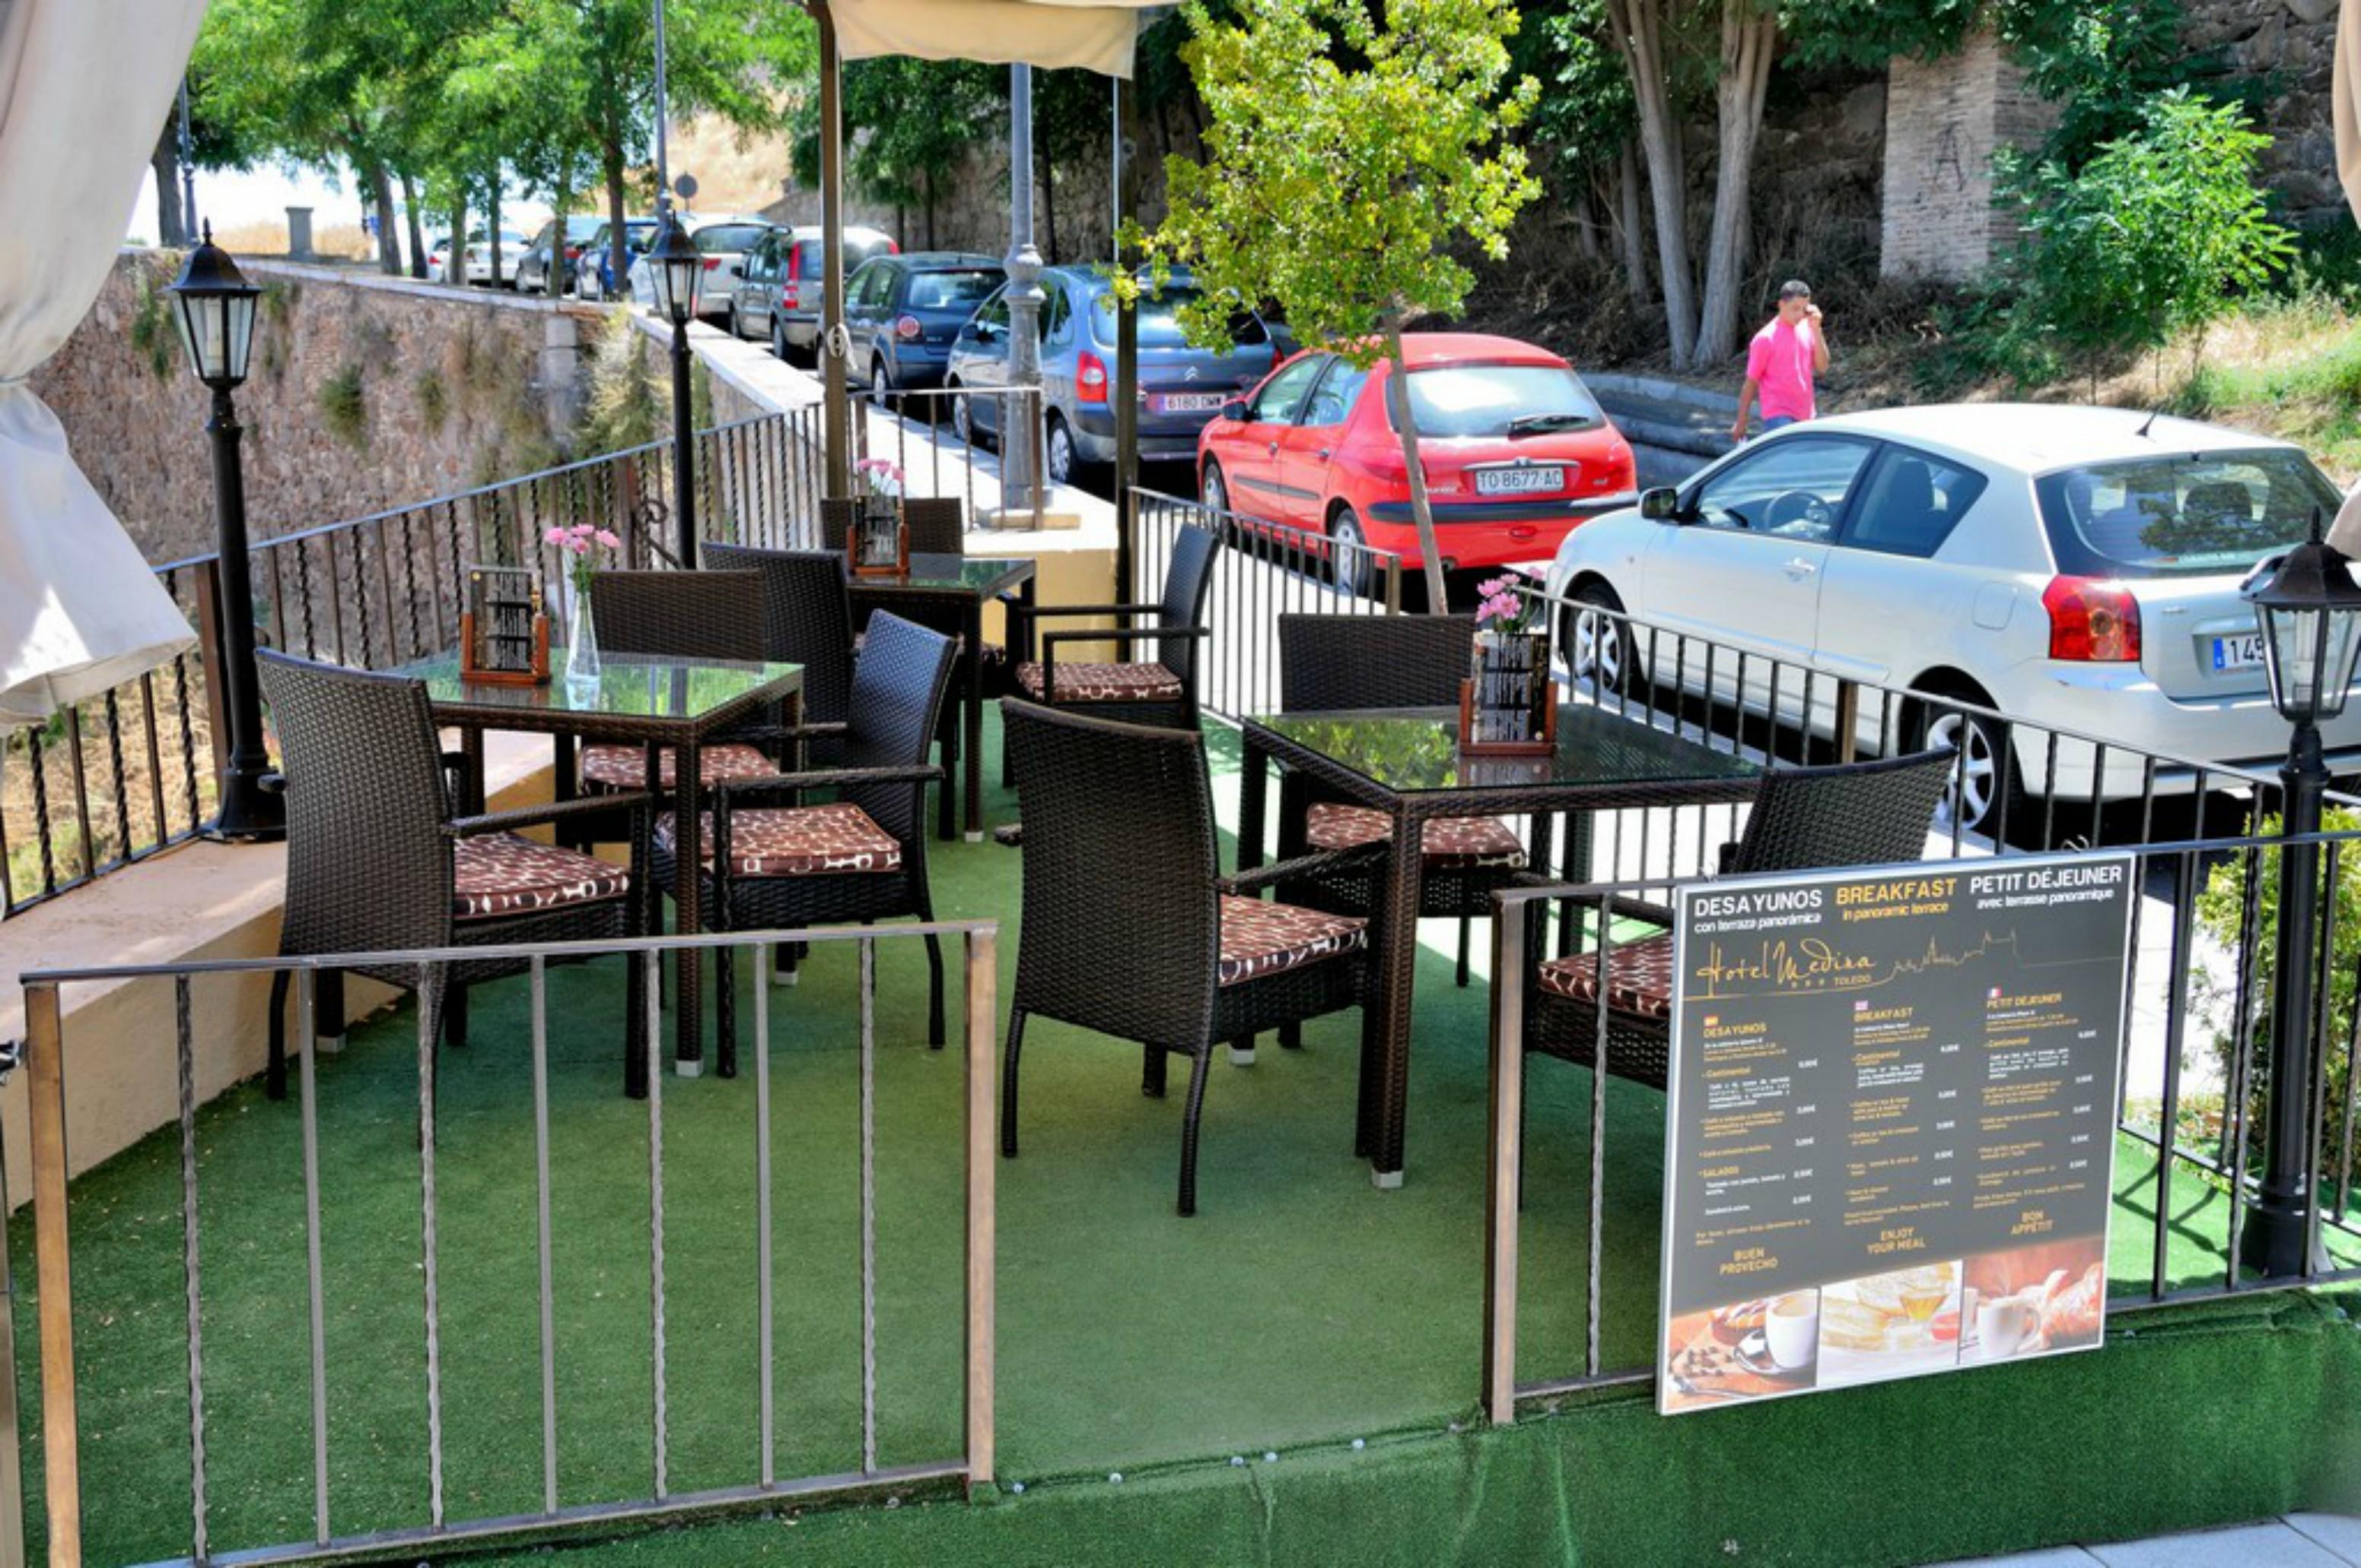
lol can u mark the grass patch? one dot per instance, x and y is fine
(344, 406)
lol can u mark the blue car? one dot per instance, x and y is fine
(903, 312)
(1180, 388)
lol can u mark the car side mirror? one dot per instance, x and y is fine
(1236, 409)
(1661, 503)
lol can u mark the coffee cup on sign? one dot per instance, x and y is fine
(1792, 1330)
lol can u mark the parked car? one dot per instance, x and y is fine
(903, 311)
(1515, 449)
(479, 257)
(781, 284)
(1180, 388)
(438, 258)
(723, 244)
(2071, 567)
(532, 267)
(595, 278)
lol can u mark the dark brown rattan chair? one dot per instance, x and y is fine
(377, 861)
(686, 615)
(938, 524)
(1159, 690)
(862, 856)
(1130, 929)
(1328, 662)
(1853, 814)
(807, 620)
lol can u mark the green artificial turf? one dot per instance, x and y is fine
(1302, 1309)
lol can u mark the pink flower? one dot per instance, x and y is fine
(553, 536)
(605, 536)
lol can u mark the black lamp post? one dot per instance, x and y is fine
(2309, 609)
(678, 267)
(214, 307)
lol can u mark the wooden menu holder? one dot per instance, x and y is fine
(865, 564)
(503, 633)
(1544, 746)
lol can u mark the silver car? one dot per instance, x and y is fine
(781, 284)
(1180, 388)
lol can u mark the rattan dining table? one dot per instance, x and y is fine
(947, 593)
(1406, 763)
(644, 700)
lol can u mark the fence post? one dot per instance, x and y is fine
(12, 1465)
(1500, 1182)
(1848, 720)
(982, 1009)
(1393, 584)
(60, 1442)
(209, 637)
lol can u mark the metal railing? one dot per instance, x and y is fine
(2194, 1091)
(472, 1189)
(946, 427)
(1264, 571)
(114, 779)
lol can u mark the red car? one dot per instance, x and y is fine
(1516, 452)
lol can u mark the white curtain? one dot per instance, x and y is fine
(83, 89)
(1096, 35)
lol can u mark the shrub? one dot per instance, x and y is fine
(344, 406)
(625, 402)
(434, 400)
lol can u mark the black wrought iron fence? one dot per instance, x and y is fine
(1577, 1163)
(516, 1224)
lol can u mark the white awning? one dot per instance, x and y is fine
(84, 84)
(1096, 35)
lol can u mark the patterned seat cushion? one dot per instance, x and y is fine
(804, 840)
(625, 767)
(1260, 938)
(1466, 842)
(499, 874)
(1104, 682)
(1639, 976)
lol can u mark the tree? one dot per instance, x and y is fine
(1347, 160)
(912, 125)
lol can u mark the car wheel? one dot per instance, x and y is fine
(1059, 457)
(963, 417)
(1597, 643)
(1976, 798)
(1348, 549)
(778, 337)
(729, 320)
(1212, 489)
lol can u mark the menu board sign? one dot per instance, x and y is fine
(1891, 1117)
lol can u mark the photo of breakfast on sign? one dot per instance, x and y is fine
(2033, 1300)
(1748, 1350)
(1890, 1325)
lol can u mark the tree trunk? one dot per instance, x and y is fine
(492, 223)
(1638, 25)
(1580, 207)
(618, 252)
(388, 241)
(412, 222)
(172, 224)
(1048, 208)
(1634, 241)
(929, 209)
(1406, 428)
(902, 225)
(553, 275)
(453, 254)
(1748, 40)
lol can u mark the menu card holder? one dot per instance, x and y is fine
(878, 543)
(1540, 727)
(503, 634)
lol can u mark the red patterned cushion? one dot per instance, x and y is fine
(1259, 939)
(625, 767)
(1104, 682)
(804, 840)
(1451, 841)
(501, 874)
(1639, 976)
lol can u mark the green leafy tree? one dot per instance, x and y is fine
(912, 125)
(2152, 238)
(1349, 160)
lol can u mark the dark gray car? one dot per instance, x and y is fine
(1180, 388)
(779, 292)
(903, 312)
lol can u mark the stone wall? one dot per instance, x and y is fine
(1945, 118)
(2284, 50)
(364, 393)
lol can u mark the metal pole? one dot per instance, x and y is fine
(246, 813)
(836, 411)
(53, 1274)
(1018, 475)
(1127, 361)
(2276, 1241)
(683, 449)
(664, 171)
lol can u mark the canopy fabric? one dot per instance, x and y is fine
(2344, 102)
(1096, 35)
(84, 86)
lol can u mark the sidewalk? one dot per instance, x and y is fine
(2298, 1541)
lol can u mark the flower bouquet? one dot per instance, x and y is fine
(582, 549)
(878, 545)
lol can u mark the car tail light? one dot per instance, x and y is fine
(1090, 379)
(791, 295)
(711, 262)
(2092, 622)
(908, 328)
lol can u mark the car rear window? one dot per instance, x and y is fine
(1487, 399)
(949, 288)
(1159, 320)
(2185, 515)
(810, 256)
(729, 236)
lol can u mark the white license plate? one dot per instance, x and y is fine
(1519, 481)
(2242, 651)
(1186, 402)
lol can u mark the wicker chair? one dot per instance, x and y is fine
(688, 614)
(1854, 813)
(806, 619)
(1333, 662)
(860, 857)
(1129, 929)
(1161, 690)
(377, 861)
(938, 524)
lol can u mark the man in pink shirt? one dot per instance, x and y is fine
(1782, 360)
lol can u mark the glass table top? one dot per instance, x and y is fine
(1413, 751)
(952, 575)
(632, 685)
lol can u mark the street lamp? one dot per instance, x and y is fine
(678, 268)
(214, 307)
(2309, 609)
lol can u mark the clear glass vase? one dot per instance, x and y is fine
(582, 666)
